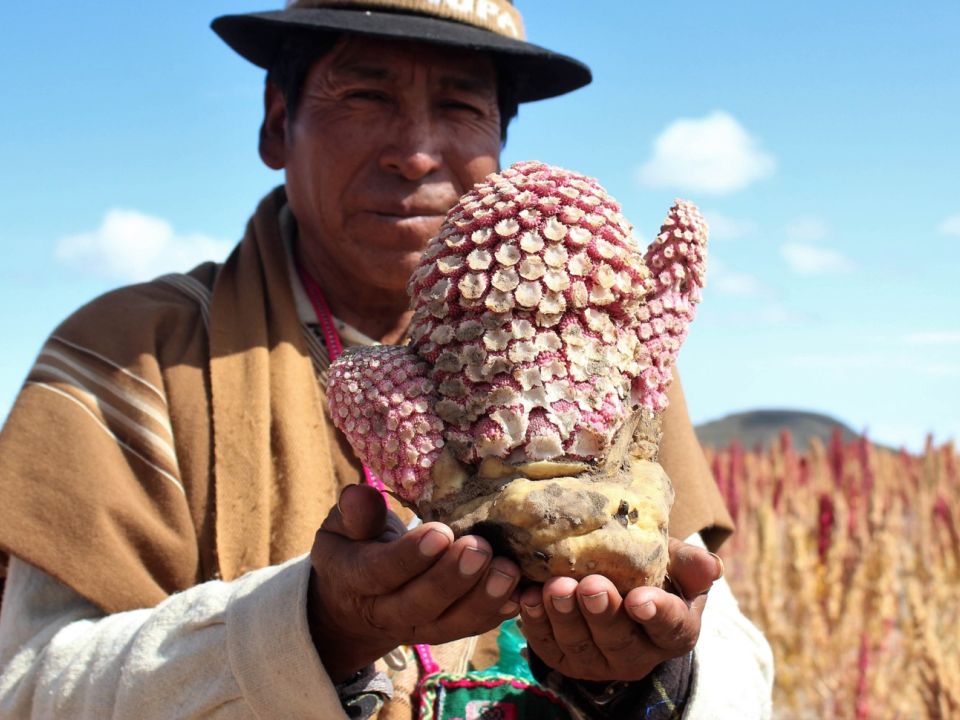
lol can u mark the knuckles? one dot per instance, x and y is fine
(368, 613)
(579, 650)
(621, 645)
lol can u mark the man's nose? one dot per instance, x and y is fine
(415, 151)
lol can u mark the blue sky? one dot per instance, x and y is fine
(819, 138)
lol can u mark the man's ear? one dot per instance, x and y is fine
(273, 131)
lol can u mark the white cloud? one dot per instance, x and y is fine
(947, 337)
(905, 364)
(131, 246)
(763, 312)
(776, 314)
(807, 229)
(950, 226)
(724, 227)
(712, 154)
(731, 282)
(812, 260)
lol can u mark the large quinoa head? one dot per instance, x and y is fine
(525, 405)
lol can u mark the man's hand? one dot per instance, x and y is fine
(375, 586)
(587, 631)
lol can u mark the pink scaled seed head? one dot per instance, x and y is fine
(539, 327)
(382, 399)
(542, 324)
(677, 261)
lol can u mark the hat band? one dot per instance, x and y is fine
(497, 16)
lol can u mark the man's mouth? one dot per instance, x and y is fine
(402, 212)
(411, 216)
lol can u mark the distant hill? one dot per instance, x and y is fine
(762, 427)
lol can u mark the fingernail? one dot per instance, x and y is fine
(472, 560)
(563, 603)
(533, 611)
(719, 565)
(645, 611)
(499, 583)
(433, 543)
(596, 603)
(509, 608)
(340, 496)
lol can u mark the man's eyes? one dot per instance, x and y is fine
(458, 105)
(462, 105)
(372, 95)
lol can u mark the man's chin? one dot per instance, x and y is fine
(391, 269)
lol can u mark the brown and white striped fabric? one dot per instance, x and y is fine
(154, 405)
(129, 409)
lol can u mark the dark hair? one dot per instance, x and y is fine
(301, 50)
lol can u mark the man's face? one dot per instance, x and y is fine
(386, 139)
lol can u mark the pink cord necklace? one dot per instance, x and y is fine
(334, 349)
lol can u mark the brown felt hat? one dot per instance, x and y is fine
(489, 26)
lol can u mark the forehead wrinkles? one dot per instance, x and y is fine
(362, 59)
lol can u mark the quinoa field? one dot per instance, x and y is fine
(848, 558)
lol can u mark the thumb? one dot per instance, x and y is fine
(360, 514)
(692, 569)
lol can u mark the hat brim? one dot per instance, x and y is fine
(538, 73)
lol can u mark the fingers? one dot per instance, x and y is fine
(692, 569)
(623, 644)
(376, 568)
(559, 632)
(597, 640)
(466, 592)
(671, 624)
(424, 598)
(360, 514)
(587, 631)
(489, 603)
(537, 628)
(420, 585)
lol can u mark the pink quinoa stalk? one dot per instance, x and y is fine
(943, 514)
(777, 493)
(825, 516)
(864, 448)
(737, 475)
(383, 400)
(862, 703)
(948, 458)
(719, 470)
(786, 442)
(677, 261)
(835, 456)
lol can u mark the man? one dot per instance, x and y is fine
(169, 460)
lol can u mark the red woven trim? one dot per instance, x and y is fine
(485, 681)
